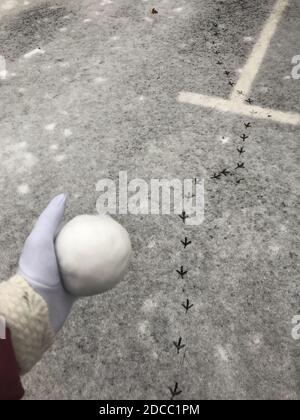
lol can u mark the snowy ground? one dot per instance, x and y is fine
(91, 88)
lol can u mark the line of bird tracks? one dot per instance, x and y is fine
(180, 344)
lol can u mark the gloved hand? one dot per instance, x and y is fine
(38, 263)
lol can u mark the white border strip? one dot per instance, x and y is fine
(236, 104)
(226, 105)
(259, 51)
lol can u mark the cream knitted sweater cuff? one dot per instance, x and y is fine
(26, 315)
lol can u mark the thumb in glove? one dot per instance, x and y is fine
(39, 267)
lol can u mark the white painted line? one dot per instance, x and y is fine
(236, 103)
(227, 105)
(255, 60)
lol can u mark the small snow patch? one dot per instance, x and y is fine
(50, 127)
(224, 140)
(23, 189)
(100, 80)
(60, 158)
(34, 52)
(68, 132)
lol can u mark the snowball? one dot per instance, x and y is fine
(93, 254)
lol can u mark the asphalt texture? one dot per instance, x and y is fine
(99, 97)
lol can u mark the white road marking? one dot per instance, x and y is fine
(226, 105)
(259, 51)
(236, 104)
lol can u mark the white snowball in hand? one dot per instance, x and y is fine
(93, 254)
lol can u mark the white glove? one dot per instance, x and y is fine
(38, 264)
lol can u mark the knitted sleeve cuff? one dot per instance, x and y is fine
(26, 315)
